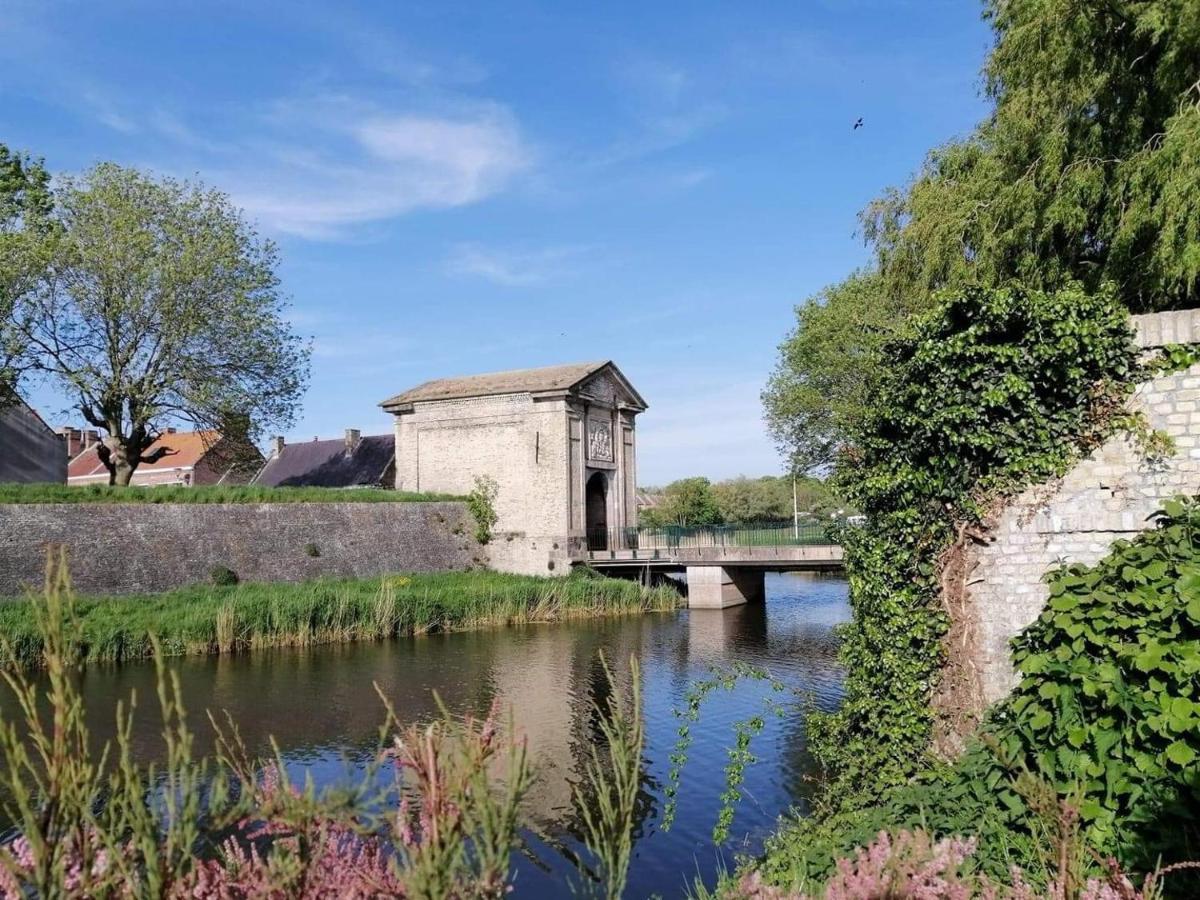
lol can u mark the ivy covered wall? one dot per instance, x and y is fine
(1112, 493)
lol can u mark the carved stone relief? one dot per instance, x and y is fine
(600, 442)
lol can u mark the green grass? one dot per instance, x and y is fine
(96, 493)
(206, 619)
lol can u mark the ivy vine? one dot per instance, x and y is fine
(1106, 717)
(995, 390)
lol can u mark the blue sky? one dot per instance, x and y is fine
(459, 188)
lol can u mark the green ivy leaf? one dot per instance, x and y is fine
(1180, 753)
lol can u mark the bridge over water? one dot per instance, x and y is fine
(724, 565)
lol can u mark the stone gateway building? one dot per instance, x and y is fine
(559, 442)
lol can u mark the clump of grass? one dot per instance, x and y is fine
(607, 797)
(210, 618)
(249, 493)
(226, 628)
(91, 822)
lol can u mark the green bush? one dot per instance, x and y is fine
(1109, 701)
(482, 504)
(1106, 715)
(222, 576)
(995, 390)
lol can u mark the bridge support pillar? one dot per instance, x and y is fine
(716, 587)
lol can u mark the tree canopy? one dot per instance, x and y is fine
(159, 304)
(25, 207)
(1086, 171)
(738, 501)
(687, 502)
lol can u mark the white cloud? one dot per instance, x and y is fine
(104, 111)
(664, 109)
(512, 268)
(343, 163)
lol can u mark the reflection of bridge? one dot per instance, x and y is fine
(724, 564)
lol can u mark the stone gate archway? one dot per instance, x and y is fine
(596, 503)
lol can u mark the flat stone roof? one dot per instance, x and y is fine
(515, 381)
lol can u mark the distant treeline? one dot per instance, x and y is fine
(698, 501)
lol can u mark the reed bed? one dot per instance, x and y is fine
(204, 619)
(247, 493)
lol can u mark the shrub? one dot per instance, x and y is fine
(995, 390)
(482, 504)
(222, 576)
(1105, 722)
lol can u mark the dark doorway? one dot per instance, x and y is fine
(596, 496)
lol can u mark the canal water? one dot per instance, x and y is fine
(320, 706)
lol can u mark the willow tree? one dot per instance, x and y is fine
(1086, 170)
(159, 305)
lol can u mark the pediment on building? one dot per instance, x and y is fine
(609, 387)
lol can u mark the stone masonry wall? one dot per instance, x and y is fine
(136, 547)
(1112, 494)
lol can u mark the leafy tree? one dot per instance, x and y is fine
(743, 500)
(159, 304)
(820, 383)
(769, 499)
(1087, 170)
(25, 207)
(687, 502)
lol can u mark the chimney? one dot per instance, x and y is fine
(353, 436)
(277, 444)
(72, 439)
(171, 429)
(90, 437)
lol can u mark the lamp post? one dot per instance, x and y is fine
(795, 510)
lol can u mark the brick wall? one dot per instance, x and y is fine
(1112, 494)
(130, 548)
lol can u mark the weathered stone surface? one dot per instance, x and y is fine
(1112, 494)
(136, 547)
(559, 442)
(717, 587)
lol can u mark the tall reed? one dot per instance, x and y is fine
(211, 619)
(91, 822)
(607, 798)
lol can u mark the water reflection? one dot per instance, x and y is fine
(321, 708)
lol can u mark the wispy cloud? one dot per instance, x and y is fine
(514, 268)
(664, 107)
(317, 167)
(104, 111)
(341, 152)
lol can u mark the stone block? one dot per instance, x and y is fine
(719, 587)
(126, 548)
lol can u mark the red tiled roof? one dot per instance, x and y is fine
(189, 447)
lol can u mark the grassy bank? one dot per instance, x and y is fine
(97, 493)
(205, 619)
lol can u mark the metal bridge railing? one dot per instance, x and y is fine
(669, 538)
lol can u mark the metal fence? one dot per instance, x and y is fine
(669, 538)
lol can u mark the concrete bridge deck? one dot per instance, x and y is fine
(724, 566)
